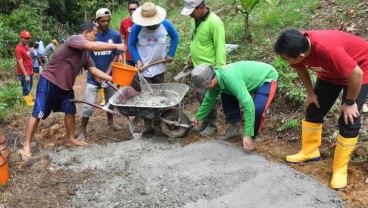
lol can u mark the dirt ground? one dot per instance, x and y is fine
(35, 184)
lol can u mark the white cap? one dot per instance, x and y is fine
(103, 12)
(189, 6)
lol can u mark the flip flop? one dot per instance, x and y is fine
(76, 143)
(25, 156)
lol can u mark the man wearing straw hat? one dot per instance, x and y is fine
(102, 60)
(147, 44)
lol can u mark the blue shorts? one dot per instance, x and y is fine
(50, 97)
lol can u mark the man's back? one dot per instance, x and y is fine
(49, 49)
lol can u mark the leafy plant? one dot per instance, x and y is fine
(292, 123)
(246, 8)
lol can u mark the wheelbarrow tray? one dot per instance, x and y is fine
(150, 111)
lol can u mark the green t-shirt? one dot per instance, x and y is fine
(208, 42)
(239, 79)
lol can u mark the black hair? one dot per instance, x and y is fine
(133, 2)
(36, 45)
(87, 26)
(202, 4)
(291, 42)
(31, 44)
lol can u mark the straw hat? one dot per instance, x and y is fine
(148, 14)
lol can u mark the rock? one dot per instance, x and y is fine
(365, 108)
(366, 181)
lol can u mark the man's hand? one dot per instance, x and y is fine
(120, 58)
(190, 62)
(248, 143)
(194, 121)
(139, 66)
(121, 47)
(28, 79)
(169, 59)
(311, 98)
(350, 112)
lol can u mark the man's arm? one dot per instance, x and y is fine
(99, 74)
(23, 69)
(304, 75)
(350, 112)
(101, 46)
(219, 44)
(115, 59)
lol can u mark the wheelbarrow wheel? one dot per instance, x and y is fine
(171, 130)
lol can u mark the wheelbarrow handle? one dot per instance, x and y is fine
(153, 63)
(105, 108)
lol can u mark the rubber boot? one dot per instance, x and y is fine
(344, 148)
(233, 130)
(211, 128)
(31, 99)
(102, 94)
(28, 100)
(148, 130)
(311, 140)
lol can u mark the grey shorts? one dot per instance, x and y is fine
(91, 96)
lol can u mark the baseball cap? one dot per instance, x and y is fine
(24, 34)
(103, 12)
(189, 6)
(54, 41)
(202, 76)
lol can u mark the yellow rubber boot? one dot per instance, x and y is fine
(344, 148)
(28, 100)
(311, 140)
(31, 98)
(102, 94)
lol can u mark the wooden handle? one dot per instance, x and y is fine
(153, 63)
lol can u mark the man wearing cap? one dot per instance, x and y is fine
(147, 43)
(238, 79)
(49, 49)
(102, 60)
(208, 47)
(125, 28)
(55, 86)
(24, 66)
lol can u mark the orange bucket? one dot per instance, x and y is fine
(4, 173)
(123, 74)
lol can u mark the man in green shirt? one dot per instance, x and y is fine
(238, 79)
(208, 47)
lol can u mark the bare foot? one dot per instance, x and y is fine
(26, 156)
(81, 137)
(75, 142)
(248, 143)
(115, 127)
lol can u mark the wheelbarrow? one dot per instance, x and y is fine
(173, 122)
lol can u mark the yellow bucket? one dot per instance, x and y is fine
(123, 74)
(4, 172)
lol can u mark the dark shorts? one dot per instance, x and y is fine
(50, 97)
(36, 69)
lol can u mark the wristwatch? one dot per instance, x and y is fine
(349, 102)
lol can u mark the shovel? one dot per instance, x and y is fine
(187, 70)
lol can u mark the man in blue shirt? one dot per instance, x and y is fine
(102, 60)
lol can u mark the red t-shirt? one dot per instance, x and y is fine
(22, 52)
(335, 54)
(65, 65)
(125, 27)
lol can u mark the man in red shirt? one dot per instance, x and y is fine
(24, 66)
(341, 63)
(125, 27)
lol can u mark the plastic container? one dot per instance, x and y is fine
(123, 74)
(4, 173)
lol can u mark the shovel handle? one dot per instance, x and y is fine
(95, 105)
(153, 63)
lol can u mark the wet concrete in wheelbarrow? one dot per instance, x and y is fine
(157, 173)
